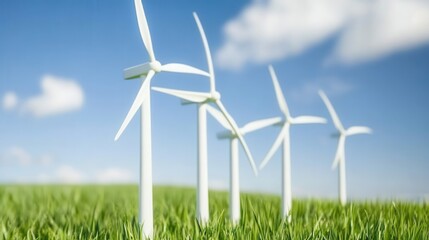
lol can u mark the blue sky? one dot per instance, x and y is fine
(63, 94)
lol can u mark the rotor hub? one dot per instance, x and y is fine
(156, 66)
(216, 96)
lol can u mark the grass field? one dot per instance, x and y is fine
(110, 212)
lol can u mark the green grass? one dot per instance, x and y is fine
(110, 212)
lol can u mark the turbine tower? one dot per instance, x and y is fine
(202, 99)
(340, 155)
(234, 188)
(146, 72)
(284, 137)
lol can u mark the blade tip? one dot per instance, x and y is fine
(118, 135)
(197, 19)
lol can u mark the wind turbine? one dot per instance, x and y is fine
(340, 155)
(234, 189)
(284, 137)
(146, 72)
(202, 99)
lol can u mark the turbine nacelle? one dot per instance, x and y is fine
(142, 70)
(336, 135)
(287, 120)
(228, 135)
(215, 97)
(139, 70)
(283, 122)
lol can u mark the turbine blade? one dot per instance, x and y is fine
(144, 29)
(340, 151)
(239, 136)
(332, 112)
(275, 146)
(207, 50)
(279, 94)
(138, 101)
(219, 117)
(195, 97)
(182, 68)
(308, 120)
(358, 130)
(256, 125)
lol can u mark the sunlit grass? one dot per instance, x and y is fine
(110, 212)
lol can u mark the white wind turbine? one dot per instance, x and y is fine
(234, 188)
(202, 99)
(284, 137)
(340, 155)
(146, 72)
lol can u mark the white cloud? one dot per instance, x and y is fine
(114, 175)
(10, 101)
(68, 174)
(20, 156)
(59, 95)
(331, 85)
(46, 160)
(43, 178)
(274, 29)
(388, 26)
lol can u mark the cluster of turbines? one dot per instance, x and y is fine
(210, 102)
